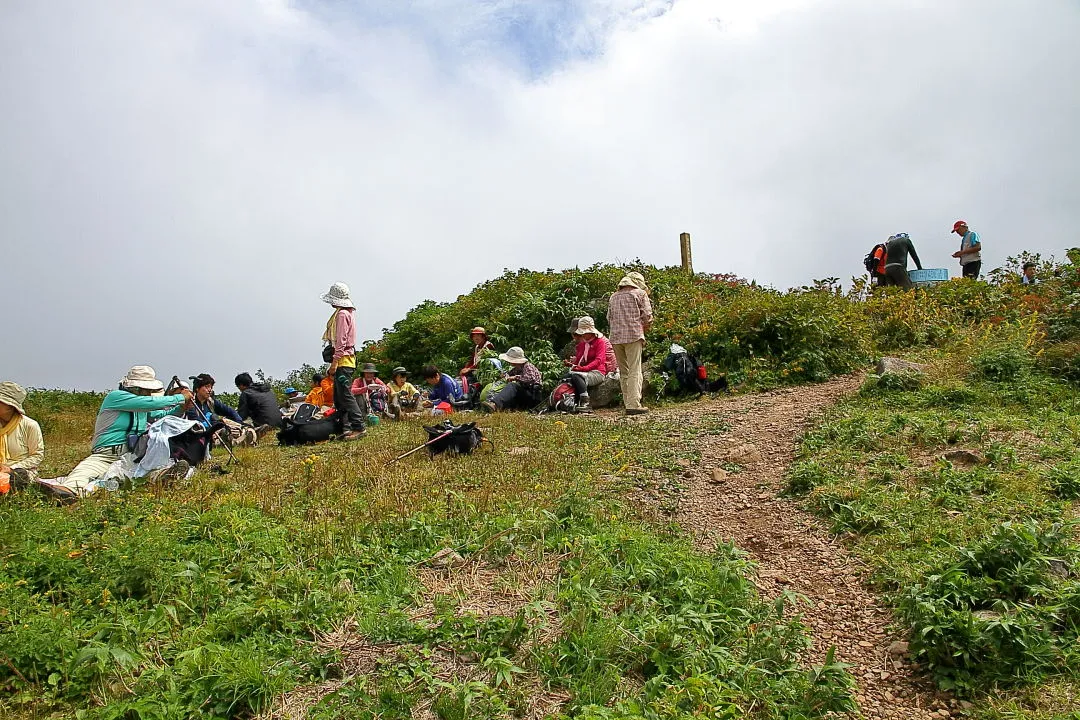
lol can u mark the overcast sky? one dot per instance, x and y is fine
(180, 180)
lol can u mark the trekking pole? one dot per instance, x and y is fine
(217, 435)
(418, 449)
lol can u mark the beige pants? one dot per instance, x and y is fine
(92, 468)
(629, 357)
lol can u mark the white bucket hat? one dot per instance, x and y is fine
(587, 325)
(338, 296)
(13, 395)
(142, 376)
(514, 356)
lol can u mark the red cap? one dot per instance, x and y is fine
(958, 224)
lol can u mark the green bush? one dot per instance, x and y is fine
(1003, 363)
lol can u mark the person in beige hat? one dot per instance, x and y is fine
(340, 337)
(593, 360)
(125, 413)
(21, 446)
(629, 317)
(524, 384)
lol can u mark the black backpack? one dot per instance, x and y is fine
(870, 262)
(460, 439)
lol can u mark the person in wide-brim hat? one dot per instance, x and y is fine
(404, 397)
(593, 361)
(340, 336)
(629, 317)
(524, 383)
(480, 341)
(22, 447)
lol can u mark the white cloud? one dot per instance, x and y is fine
(181, 181)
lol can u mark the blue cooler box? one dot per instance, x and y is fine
(928, 275)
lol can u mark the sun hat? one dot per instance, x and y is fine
(338, 296)
(290, 390)
(478, 331)
(514, 356)
(587, 325)
(142, 376)
(399, 370)
(369, 367)
(573, 326)
(13, 395)
(958, 224)
(639, 280)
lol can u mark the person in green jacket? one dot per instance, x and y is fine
(126, 411)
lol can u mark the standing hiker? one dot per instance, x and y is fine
(897, 250)
(21, 446)
(341, 336)
(629, 318)
(970, 252)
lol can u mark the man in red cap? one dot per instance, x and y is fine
(970, 252)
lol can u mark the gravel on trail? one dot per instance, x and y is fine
(793, 550)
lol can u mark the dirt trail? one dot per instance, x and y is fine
(792, 548)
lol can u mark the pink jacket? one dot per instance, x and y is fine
(344, 334)
(593, 356)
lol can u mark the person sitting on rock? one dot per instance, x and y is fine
(370, 391)
(524, 384)
(593, 360)
(22, 447)
(125, 413)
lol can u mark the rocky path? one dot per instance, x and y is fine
(793, 549)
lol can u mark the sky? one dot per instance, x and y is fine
(181, 180)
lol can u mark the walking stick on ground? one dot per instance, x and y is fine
(217, 435)
(418, 449)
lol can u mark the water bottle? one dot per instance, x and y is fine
(110, 484)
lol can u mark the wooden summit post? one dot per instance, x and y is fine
(684, 249)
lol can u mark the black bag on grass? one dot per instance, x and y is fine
(460, 439)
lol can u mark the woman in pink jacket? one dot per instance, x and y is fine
(593, 359)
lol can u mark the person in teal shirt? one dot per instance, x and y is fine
(126, 411)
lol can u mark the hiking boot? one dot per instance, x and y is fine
(489, 406)
(167, 476)
(353, 434)
(247, 438)
(583, 405)
(637, 411)
(59, 493)
(20, 478)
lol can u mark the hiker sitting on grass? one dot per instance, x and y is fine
(21, 446)
(322, 391)
(524, 384)
(125, 413)
(445, 391)
(404, 396)
(479, 338)
(370, 392)
(208, 410)
(257, 403)
(593, 360)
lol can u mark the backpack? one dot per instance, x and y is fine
(874, 262)
(459, 439)
(562, 398)
(305, 413)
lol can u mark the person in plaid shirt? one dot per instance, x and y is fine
(629, 318)
(524, 384)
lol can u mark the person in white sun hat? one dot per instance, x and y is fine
(524, 384)
(593, 360)
(341, 336)
(21, 446)
(125, 413)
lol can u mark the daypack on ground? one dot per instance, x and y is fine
(460, 439)
(691, 375)
(562, 398)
